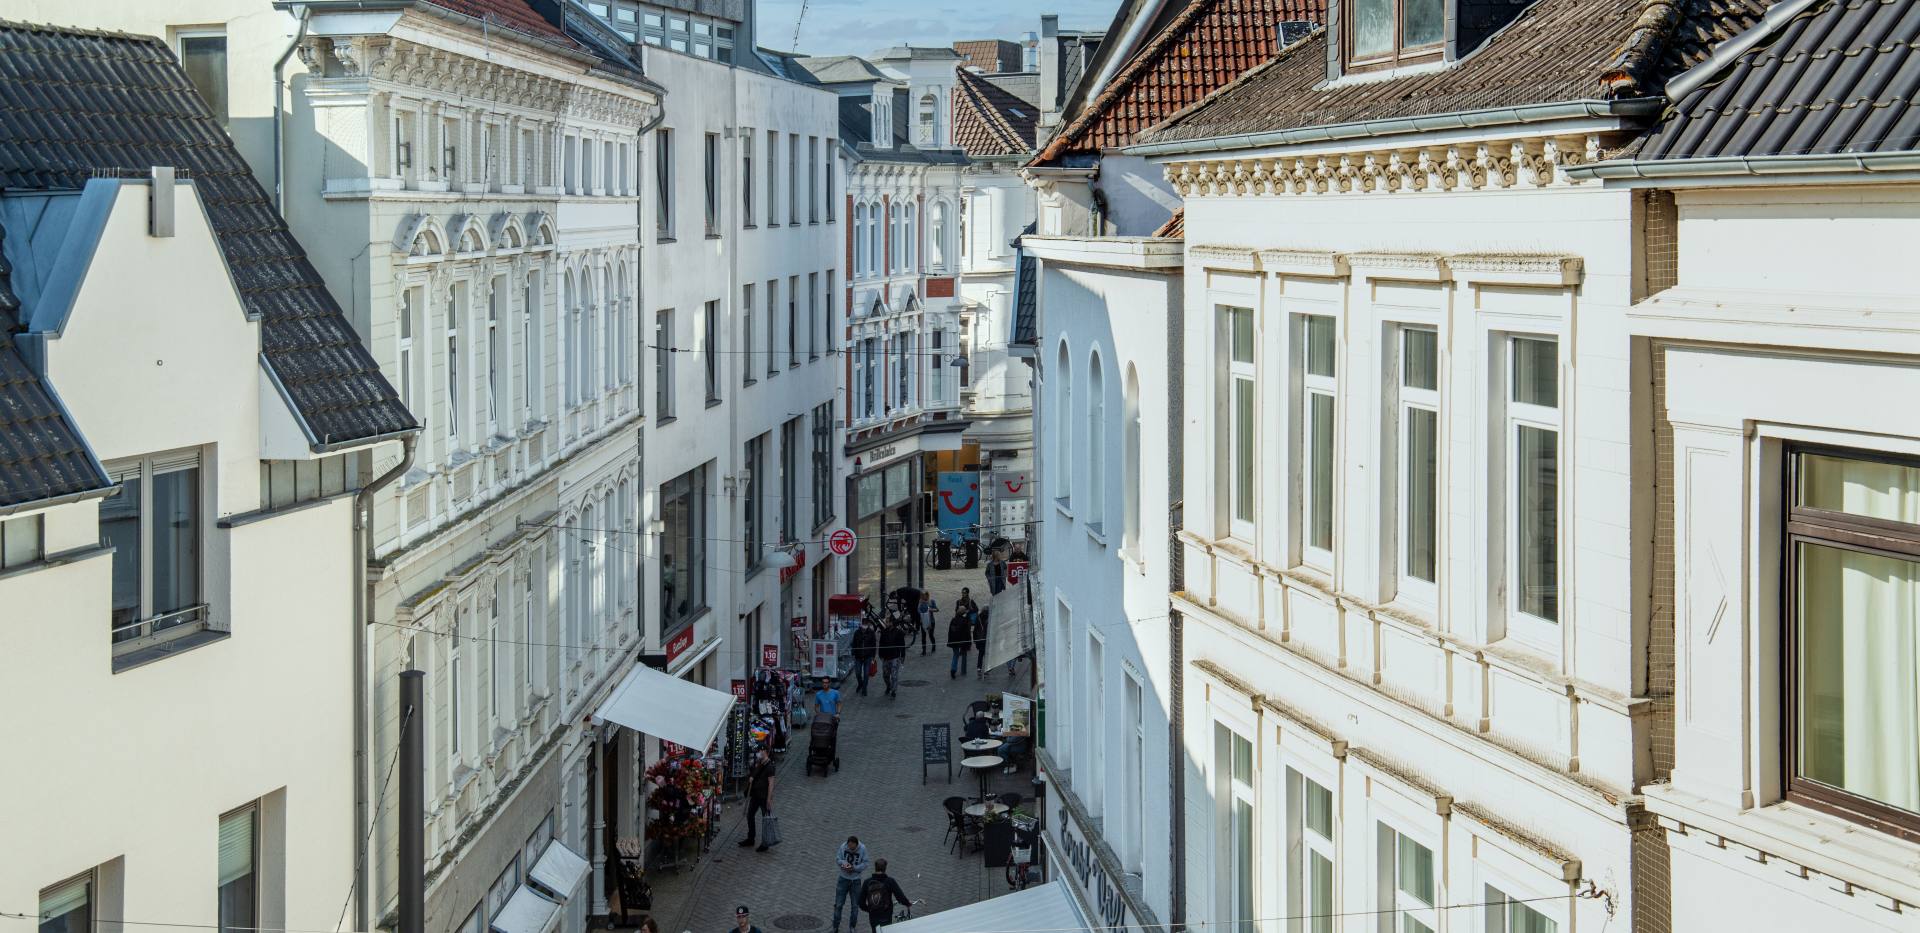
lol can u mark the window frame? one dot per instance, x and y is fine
(663, 184)
(1303, 845)
(710, 349)
(251, 811)
(710, 160)
(746, 334)
(223, 113)
(1399, 56)
(186, 620)
(663, 365)
(1406, 906)
(746, 178)
(1537, 632)
(1230, 788)
(1241, 371)
(1407, 399)
(1842, 531)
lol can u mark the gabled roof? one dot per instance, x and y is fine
(1841, 77)
(989, 121)
(833, 69)
(512, 14)
(1204, 48)
(42, 455)
(82, 104)
(1555, 51)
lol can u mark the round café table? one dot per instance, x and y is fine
(983, 765)
(978, 746)
(982, 810)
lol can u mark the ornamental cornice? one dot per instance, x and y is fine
(1551, 269)
(1429, 267)
(1529, 163)
(1215, 256)
(1304, 262)
(423, 70)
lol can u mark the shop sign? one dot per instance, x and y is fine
(739, 690)
(1016, 572)
(826, 657)
(1098, 888)
(800, 560)
(769, 655)
(841, 542)
(678, 644)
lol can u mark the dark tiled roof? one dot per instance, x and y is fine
(988, 121)
(1842, 77)
(1204, 48)
(1557, 50)
(1026, 298)
(1176, 226)
(512, 14)
(83, 104)
(41, 453)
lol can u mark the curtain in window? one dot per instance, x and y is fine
(1859, 653)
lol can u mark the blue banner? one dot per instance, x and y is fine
(957, 502)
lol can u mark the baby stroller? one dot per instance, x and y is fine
(823, 746)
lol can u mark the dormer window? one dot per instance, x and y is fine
(1392, 33)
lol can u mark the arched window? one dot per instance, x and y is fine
(911, 234)
(609, 342)
(1062, 425)
(609, 567)
(1096, 444)
(937, 239)
(928, 109)
(623, 313)
(860, 239)
(571, 303)
(876, 258)
(1130, 466)
(894, 252)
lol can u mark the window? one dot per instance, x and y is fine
(754, 463)
(1310, 855)
(859, 239)
(203, 56)
(1095, 680)
(1063, 429)
(827, 319)
(663, 184)
(903, 368)
(456, 309)
(496, 295)
(712, 164)
(683, 550)
(937, 241)
(1233, 828)
(789, 478)
(937, 366)
(529, 623)
(924, 132)
(1242, 419)
(813, 178)
(1386, 33)
(746, 176)
(1505, 915)
(773, 178)
(746, 334)
(608, 332)
(572, 301)
(1133, 845)
(22, 540)
(1404, 883)
(1419, 440)
(793, 320)
(910, 237)
(154, 523)
(1853, 641)
(663, 365)
(67, 907)
(1316, 442)
(1096, 513)
(822, 463)
(710, 349)
(870, 353)
(773, 326)
(239, 895)
(1130, 467)
(676, 33)
(876, 259)
(1533, 482)
(494, 637)
(456, 689)
(832, 156)
(793, 179)
(532, 360)
(813, 315)
(449, 149)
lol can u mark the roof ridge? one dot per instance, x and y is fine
(52, 29)
(1644, 46)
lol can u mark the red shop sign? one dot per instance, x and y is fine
(678, 644)
(769, 655)
(739, 689)
(799, 561)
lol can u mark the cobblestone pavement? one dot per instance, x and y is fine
(876, 795)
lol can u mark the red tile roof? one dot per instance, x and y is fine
(1204, 48)
(990, 121)
(511, 14)
(1176, 226)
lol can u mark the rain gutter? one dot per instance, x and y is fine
(1399, 126)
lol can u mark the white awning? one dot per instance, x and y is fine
(559, 870)
(1009, 627)
(526, 912)
(1047, 907)
(679, 711)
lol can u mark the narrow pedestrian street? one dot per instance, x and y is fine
(877, 795)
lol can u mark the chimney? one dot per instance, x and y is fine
(1049, 69)
(160, 202)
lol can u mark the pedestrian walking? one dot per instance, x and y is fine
(996, 574)
(759, 801)
(742, 921)
(959, 641)
(965, 603)
(980, 641)
(893, 649)
(852, 861)
(827, 699)
(879, 894)
(866, 647)
(928, 614)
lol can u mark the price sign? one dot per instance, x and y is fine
(769, 655)
(826, 658)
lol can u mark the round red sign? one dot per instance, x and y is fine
(840, 542)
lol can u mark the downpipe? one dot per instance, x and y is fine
(279, 146)
(362, 545)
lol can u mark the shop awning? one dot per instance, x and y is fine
(1048, 907)
(526, 912)
(680, 711)
(1009, 626)
(559, 870)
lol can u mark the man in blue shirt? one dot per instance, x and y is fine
(827, 699)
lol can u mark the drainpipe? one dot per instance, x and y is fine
(279, 148)
(362, 617)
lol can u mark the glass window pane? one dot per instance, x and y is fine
(1241, 321)
(68, 907)
(1243, 864)
(1536, 371)
(1421, 22)
(1320, 466)
(205, 60)
(1243, 450)
(1415, 874)
(1868, 488)
(1319, 345)
(1422, 486)
(1320, 893)
(1420, 359)
(1536, 516)
(1242, 760)
(236, 894)
(1319, 801)
(1858, 634)
(176, 540)
(120, 530)
(1372, 28)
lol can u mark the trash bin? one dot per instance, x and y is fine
(973, 554)
(943, 554)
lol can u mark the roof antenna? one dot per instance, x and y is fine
(796, 26)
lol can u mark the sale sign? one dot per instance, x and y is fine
(769, 655)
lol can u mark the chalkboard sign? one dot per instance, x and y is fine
(936, 747)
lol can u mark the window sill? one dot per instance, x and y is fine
(664, 239)
(749, 225)
(714, 402)
(664, 420)
(141, 657)
(715, 236)
(1097, 533)
(1064, 507)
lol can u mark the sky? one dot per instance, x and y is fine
(859, 27)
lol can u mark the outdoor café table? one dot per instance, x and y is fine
(980, 810)
(981, 745)
(983, 765)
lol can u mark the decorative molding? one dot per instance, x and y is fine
(1419, 267)
(412, 69)
(1236, 258)
(1534, 162)
(1548, 269)
(1304, 262)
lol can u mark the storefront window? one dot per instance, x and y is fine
(683, 549)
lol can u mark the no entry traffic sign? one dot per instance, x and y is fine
(841, 542)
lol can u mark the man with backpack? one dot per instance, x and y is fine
(893, 649)
(866, 646)
(959, 641)
(878, 895)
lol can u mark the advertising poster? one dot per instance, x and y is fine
(958, 511)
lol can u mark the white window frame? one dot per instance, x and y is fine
(1400, 909)
(1095, 515)
(1528, 629)
(1063, 432)
(404, 328)
(456, 762)
(1407, 400)
(1229, 791)
(1313, 386)
(146, 629)
(1303, 844)
(495, 298)
(454, 312)
(1093, 679)
(1500, 894)
(1134, 842)
(1238, 372)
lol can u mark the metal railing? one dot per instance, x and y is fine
(160, 629)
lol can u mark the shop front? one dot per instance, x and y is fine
(888, 487)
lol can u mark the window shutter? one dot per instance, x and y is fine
(181, 461)
(236, 845)
(65, 898)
